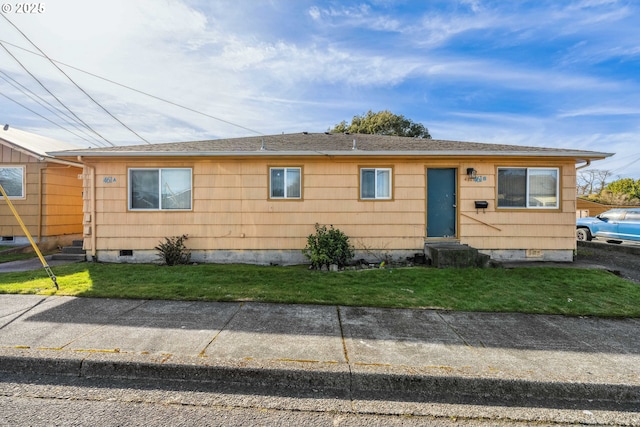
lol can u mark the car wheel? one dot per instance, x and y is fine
(583, 234)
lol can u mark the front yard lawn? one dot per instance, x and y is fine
(546, 290)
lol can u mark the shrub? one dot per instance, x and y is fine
(173, 250)
(328, 246)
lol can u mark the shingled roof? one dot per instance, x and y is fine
(35, 146)
(30, 143)
(314, 144)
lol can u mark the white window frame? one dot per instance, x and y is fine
(528, 204)
(160, 206)
(22, 186)
(285, 170)
(377, 196)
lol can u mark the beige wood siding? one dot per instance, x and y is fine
(28, 207)
(232, 210)
(52, 205)
(61, 201)
(506, 229)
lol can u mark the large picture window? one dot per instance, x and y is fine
(285, 183)
(375, 183)
(12, 180)
(534, 188)
(160, 189)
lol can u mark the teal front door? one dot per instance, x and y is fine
(441, 202)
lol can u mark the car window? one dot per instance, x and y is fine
(610, 216)
(632, 216)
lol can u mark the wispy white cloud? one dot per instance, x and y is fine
(347, 12)
(361, 17)
(602, 111)
(541, 73)
(474, 5)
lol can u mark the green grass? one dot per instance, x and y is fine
(16, 256)
(528, 290)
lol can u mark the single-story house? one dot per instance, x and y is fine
(44, 190)
(585, 208)
(256, 199)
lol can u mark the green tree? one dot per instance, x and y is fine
(382, 123)
(627, 188)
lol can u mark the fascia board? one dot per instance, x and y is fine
(354, 153)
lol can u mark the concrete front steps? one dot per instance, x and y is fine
(71, 253)
(454, 255)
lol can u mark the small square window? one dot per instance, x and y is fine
(12, 180)
(285, 183)
(375, 183)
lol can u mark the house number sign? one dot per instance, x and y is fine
(109, 179)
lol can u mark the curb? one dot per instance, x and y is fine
(356, 381)
(302, 375)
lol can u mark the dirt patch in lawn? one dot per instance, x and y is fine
(622, 259)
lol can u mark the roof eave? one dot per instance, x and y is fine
(267, 153)
(39, 156)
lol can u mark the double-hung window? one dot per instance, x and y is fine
(375, 183)
(285, 183)
(12, 180)
(531, 188)
(160, 189)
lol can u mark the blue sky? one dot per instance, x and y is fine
(537, 73)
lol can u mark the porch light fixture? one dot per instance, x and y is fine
(471, 173)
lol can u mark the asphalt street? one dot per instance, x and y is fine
(586, 367)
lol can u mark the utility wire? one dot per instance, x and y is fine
(72, 81)
(635, 157)
(31, 94)
(45, 118)
(141, 92)
(628, 164)
(49, 107)
(52, 94)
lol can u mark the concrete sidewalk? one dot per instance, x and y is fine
(366, 353)
(32, 264)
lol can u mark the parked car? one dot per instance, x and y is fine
(614, 224)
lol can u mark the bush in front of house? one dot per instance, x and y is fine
(173, 251)
(328, 246)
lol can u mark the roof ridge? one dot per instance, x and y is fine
(305, 143)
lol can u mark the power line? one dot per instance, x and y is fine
(49, 107)
(628, 164)
(618, 170)
(52, 94)
(140, 91)
(31, 94)
(72, 81)
(40, 115)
